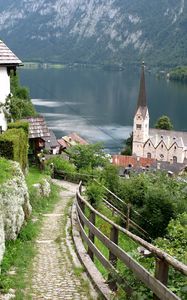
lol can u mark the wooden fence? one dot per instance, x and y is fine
(157, 284)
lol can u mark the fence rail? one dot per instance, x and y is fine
(157, 284)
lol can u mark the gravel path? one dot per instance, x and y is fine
(55, 276)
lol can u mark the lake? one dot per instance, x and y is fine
(100, 105)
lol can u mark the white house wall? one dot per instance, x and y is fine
(4, 84)
(4, 92)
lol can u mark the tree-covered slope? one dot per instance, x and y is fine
(96, 31)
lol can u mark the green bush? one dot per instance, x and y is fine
(87, 156)
(61, 164)
(14, 146)
(17, 108)
(95, 193)
(20, 124)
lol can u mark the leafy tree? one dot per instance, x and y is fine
(110, 175)
(179, 74)
(84, 156)
(17, 90)
(128, 146)
(164, 122)
(175, 244)
(155, 196)
(175, 240)
(95, 193)
(17, 108)
(18, 105)
(158, 209)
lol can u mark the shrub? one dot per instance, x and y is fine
(95, 193)
(85, 156)
(14, 146)
(20, 124)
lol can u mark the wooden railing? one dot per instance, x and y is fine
(157, 284)
(126, 212)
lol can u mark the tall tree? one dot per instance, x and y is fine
(164, 122)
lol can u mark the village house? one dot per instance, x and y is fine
(161, 145)
(8, 61)
(41, 137)
(70, 140)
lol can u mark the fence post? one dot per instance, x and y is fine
(128, 216)
(112, 258)
(91, 235)
(161, 273)
(82, 206)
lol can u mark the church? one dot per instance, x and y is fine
(162, 145)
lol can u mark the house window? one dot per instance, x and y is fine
(149, 144)
(148, 155)
(162, 146)
(161, 156)
(175, 159)
(138, 126)
(175, 148)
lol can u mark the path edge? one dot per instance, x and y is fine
(91, 270)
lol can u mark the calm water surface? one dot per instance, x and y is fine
(100, 105)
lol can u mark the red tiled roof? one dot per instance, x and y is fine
(71, 140)
(75, 137)
(7, 57)
(125, 161)
(62, 143)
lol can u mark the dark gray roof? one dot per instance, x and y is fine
(51, 141)
(169, 137)
(7, 57)
(142, 101)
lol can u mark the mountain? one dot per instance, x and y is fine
(96, 31)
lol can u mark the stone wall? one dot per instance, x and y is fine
(15, 207)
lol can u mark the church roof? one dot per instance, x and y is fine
(142, 99)
(169, 137)
(7, 57)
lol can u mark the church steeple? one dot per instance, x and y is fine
(142, 101)
(141, 119)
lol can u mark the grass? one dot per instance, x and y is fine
(6, 170)
(34, 176)
(16, 267)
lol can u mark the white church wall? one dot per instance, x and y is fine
(162, 152)
(177, 152)
(149, 148)
(137, 149)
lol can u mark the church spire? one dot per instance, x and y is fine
(142, 102)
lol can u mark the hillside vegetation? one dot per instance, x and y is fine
(102, 32)
(179, 74)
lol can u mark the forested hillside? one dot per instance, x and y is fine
(92, 31)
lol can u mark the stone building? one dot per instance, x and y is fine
(162, 145)
(8, 62)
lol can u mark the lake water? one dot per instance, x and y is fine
(99, 105)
